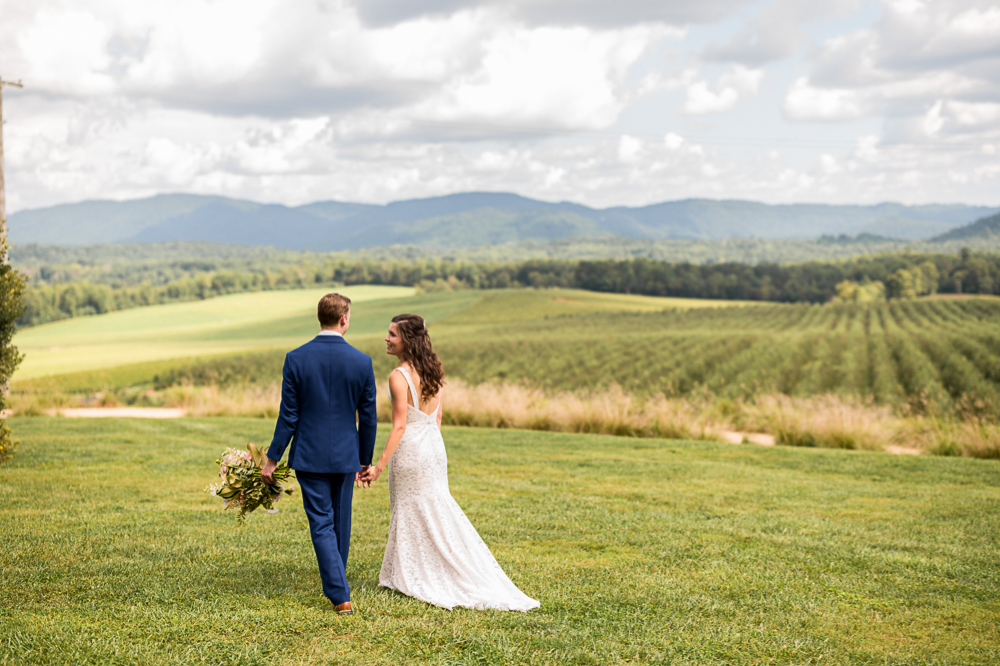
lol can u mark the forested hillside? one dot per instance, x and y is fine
(986, 228)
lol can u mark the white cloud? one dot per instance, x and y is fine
(921, 34)
(807, 102)
(629, 148)
(867, 148)
(660, 81)
(920, 58)
(933, 121)
(495, 160)
(604, 103)
(552, 77)
(701, 99)
(731, 88)
(66, 51)
(281, 60)
(776, 32)
(828, 164)
(269, 58)
(673, 141)
(591, 13)
(975, 114)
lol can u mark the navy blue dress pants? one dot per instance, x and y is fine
(327, 500)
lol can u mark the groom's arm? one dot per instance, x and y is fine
(288, 415)
(367, 418)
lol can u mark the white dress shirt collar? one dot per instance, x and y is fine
(331, 333)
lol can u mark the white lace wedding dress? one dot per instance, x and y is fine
(434, 553)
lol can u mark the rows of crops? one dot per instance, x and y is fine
(931, 354)
(938, 356)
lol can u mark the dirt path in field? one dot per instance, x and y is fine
(903, 450)
(759, 438)
(120, 412)
(762, 439)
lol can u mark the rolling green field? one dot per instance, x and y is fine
(640, 551)
(938, 356)
(227, 324)
(282, 320)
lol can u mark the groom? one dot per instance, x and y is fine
(325, 383)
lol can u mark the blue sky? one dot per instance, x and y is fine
(624, 103)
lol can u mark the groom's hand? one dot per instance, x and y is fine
(267, 470)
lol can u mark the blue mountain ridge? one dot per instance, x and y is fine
(471, 218)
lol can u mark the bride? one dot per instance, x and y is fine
(433, 553)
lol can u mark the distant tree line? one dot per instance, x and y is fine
(889, 276)
(900, 276)
(52, 302)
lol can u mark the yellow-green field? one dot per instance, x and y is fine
(227, 324)
(286, 319)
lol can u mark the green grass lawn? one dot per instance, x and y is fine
(640, 551)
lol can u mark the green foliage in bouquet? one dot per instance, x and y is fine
(11, 307)
(241, 486)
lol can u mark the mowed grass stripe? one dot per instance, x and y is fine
(223, 324)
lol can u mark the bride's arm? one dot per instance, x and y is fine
(440, 406)
(398, 389)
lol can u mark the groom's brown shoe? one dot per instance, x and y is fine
(344, 608)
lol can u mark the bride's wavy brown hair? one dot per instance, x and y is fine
(418, 352)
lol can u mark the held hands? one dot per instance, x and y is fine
(368, 475)
(361, 478)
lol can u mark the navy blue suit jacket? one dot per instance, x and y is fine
(325, 382)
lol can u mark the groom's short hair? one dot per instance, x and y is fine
(331, 308)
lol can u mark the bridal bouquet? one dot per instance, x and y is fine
(241, 485)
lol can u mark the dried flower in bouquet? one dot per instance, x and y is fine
(241, 486)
